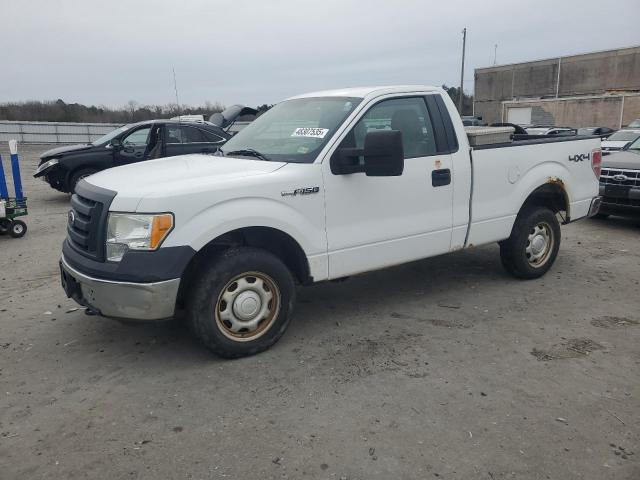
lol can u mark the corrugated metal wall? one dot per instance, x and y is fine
(53, 132)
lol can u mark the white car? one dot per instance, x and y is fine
(322, 186)
(620, 139)
(551, 131)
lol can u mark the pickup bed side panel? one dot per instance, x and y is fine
(504, 178)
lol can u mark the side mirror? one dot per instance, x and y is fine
(383, 153)
(116, 144)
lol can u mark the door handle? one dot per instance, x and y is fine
(139, 154)
(440, 178)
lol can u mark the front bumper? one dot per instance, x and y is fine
(620, 199)
(117, 299)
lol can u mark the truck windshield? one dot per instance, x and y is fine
(109, 136)
(294, 130)
(624, 136)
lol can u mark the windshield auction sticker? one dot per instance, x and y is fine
(310, 132)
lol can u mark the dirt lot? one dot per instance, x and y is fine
(445, 368)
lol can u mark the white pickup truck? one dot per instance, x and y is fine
(322, 186)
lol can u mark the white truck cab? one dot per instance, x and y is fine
(322, 186)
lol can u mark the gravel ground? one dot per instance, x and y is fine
(444, 368)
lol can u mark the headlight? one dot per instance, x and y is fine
(133, 231)
(47, 165)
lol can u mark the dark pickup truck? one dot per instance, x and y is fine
(620, 182)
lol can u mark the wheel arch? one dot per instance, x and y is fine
(274, 240)
(551, 194)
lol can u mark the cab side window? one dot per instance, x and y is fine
(408, 115)
(211, 137)
(138, 137)
(174, 134)
(188, 134)
(192, 135)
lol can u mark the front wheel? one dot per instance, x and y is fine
(533, 245)
(241, 302)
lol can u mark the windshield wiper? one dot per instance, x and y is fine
(250, 152)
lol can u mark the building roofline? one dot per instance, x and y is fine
(556, 58)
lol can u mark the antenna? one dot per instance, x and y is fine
(175, 87)
(495, 53)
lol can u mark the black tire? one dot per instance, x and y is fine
(17, 228)
(533, 245)
(214, 318)
(79, 175)
(4, 226)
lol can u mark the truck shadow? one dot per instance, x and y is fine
(619, 223)
(320, 309)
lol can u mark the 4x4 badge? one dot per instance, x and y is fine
(579, 157)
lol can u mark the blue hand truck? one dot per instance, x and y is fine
(12, 207)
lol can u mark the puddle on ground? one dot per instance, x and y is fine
(613, 322)
(572, 348)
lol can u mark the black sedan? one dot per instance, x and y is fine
(63, 167)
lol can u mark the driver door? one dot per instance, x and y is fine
(374, 222)
(134, 146)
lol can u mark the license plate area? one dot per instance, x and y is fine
(616, 191)
(70, 286)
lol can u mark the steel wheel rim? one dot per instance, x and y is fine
(247, 306)
(540, 243)
(18, 229)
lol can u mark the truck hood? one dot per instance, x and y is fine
(173, 174)
(62, 150)
(616, 144)
(622, 160)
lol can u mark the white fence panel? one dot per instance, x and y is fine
(53, 132)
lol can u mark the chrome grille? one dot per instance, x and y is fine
(82, 224)
(629, 178)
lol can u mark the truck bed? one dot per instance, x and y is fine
(505, 173)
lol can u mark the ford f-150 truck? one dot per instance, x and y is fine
(322, 186)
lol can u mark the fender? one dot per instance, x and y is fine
(234, 214)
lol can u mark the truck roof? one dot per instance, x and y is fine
(361, 92)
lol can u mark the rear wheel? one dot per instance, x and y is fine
(17, 228)
(4, 226)
(79, 175)
(241, 302)
(533, 245)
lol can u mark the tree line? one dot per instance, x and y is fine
(467, 100)
(59, 111)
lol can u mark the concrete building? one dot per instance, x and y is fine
(593, 89)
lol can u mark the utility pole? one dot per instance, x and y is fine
(461, 92)
(495, 54)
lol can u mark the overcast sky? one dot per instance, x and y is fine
(253, 52)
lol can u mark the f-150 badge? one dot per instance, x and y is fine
(301, 191)
(579, 157)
